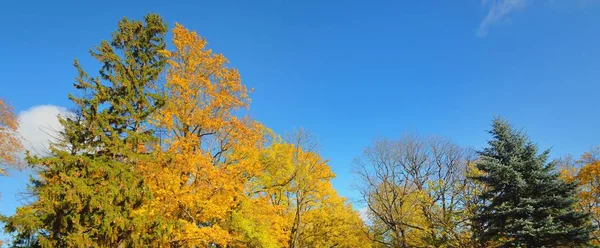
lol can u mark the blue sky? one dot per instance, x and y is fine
(349, 71)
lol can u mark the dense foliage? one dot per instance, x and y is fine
(173, 163)
(525, 203)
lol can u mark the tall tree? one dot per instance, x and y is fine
(10, 141)
(87, 192)
(525, 203)
(202, 168)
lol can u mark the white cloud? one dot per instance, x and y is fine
(498, 12)
(38, 126)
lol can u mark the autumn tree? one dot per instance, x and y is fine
(417, 192)
(525, 203)
(586, 173)
(87, 192)
(332, 222)
(448, 194)
(296, 178)
(208, 155)
(309, 184)
(10, 141)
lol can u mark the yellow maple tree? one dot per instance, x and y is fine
(207, 154)
(296, 178)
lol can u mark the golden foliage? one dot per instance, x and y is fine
(201, 177)
(588, 179)
(297, 179)
(214, 182)
(219, 178)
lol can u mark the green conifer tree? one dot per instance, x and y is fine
(525, 203)
(87, 190)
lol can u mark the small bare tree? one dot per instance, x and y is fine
(417, 191)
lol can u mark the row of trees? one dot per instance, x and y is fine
(429, 192)
(175, 164)
(143, 161)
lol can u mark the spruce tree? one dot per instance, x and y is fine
(525, 203)
(87, 192)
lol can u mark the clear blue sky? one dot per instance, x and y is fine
(350, 71)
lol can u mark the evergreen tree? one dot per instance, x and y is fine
(525, 203)
(87, 192)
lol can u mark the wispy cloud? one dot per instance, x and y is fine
(498, 12)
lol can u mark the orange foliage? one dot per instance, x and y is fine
(10, 142)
